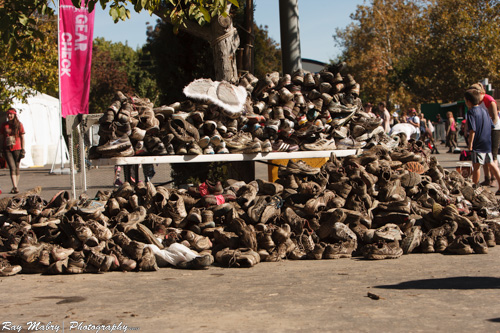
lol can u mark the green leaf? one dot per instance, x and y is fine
(113, 12)
(23, 19)
(91, 7)
(191, 9)
(206, 14)
(235, 2)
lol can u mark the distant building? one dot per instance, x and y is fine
(312, 66)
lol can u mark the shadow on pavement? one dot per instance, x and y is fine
(494, 320)
(460, 282)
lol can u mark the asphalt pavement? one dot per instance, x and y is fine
(415, 293)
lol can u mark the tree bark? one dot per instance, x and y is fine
(224, 46)
(224, 41)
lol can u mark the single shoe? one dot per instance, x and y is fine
(148, 261)
(478, 243)
(382, 250)
(242, 257)
(301, 167)
(115, 145)
(9, 270)
(460, 245)
(321, 144)
(412, 239)
(339, 250)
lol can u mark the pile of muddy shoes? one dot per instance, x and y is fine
(303, 111)
(380, 204)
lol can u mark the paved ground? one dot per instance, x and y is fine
(417, 293)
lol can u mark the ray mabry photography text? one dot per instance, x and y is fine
(70, 326)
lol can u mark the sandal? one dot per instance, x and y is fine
(14, 190)
(497, 192)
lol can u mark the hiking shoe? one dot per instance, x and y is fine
(148, 261)
(389, 232)
(460, 245)
(7, 269)
(477, 242)
(412, 239)
(101, 261)
(382, 250)
(272, 209)
(317, 252)
(200, 262)
(339, 250)
(440, 244)
(242, 257)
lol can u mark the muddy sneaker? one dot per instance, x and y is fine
(301, 167)
(101, 261)
(412, 240)
(317, 252)
(272, 208)
(382, 250)
(115, 145)
(339, 250)
(477, 242)
(201, 262)
(460, 245)
(440, 244)
(197, 242)
(7, 269)
(148, 261)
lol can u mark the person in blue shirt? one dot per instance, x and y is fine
(479, 125)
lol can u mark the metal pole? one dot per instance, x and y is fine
(290, 36)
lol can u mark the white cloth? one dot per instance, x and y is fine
(173, 254)
(405, 128)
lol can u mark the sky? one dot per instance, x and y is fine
(318, 20)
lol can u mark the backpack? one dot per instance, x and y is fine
(465, 155)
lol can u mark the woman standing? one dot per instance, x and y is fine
(451, 132)
(13, 146)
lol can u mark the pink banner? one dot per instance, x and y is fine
(76, 30)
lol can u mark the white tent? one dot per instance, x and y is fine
(41, 119)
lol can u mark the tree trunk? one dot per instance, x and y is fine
(224, 43)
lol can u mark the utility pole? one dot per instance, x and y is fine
(290, 36)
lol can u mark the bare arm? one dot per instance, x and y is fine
(493, 111)
(471, 138)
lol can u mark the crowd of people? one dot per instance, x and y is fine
(480, 129)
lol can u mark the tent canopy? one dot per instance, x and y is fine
(41, 119)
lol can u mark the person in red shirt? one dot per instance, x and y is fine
(489, 104)
(12, 132)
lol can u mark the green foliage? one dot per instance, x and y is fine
(409, 52)
(178, 11)
(24, 71)
(116, 66)
(267, 53)
(20, 25)
(176, 60)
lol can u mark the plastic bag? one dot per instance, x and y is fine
(173, 254)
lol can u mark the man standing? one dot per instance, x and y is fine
(415, 121)
(385, 116)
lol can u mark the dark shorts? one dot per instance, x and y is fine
(495, 143)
